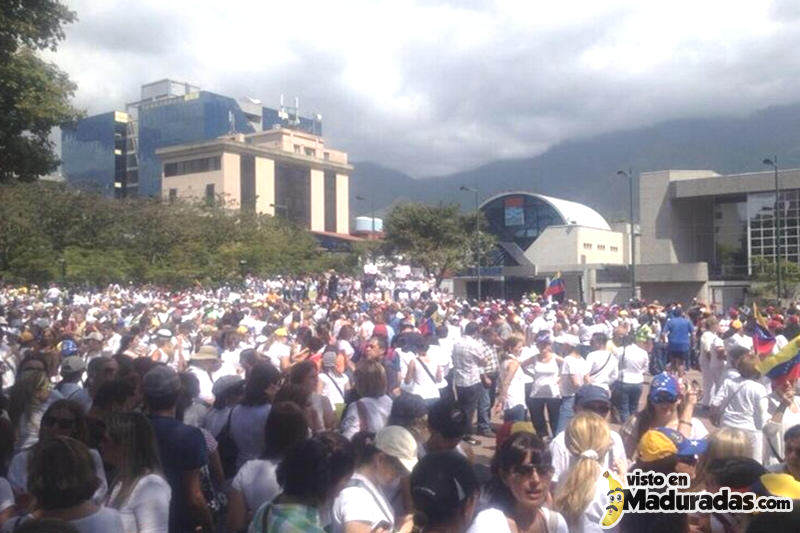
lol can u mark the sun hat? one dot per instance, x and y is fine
(206, 353)
(397, 442)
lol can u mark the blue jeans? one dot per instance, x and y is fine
(566, 413)
(679, 353)
(625, 397)
(515, 414)
(484, 407)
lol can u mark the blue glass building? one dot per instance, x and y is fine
(94, 153)
(115, 153)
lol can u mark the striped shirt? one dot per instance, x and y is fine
(469, 357)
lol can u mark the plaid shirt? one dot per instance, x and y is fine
(492, 364)
(470, 357)
(285, 518)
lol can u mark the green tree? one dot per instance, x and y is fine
(34, 94)
(437, 238)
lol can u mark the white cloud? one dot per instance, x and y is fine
(432, 86)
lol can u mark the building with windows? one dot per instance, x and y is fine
(281, 172)
(168, 113)
(727, 222)
(538, 237)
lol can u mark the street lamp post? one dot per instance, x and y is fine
(778, 270)
(63, 264)
(242, 267)
(372, 212)
(629, 175)
(477, 228)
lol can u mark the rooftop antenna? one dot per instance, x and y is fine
(297, 110)
(282, 112)
(231, 122)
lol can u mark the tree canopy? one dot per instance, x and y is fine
(100, 240)
(34, 94)
(438, 238)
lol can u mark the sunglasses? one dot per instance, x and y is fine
(61, 423)
(528, 469)
(663, 397)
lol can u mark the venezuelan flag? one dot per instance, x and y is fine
(763, 340)
(783, 363)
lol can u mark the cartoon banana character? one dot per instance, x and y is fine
(616, 502)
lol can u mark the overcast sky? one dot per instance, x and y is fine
(430, 87)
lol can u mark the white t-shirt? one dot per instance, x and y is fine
(603, 368)
(278, 351)
(147, 508)
(329, 383)
(562, 458)
(594, 512)
(744, 405)
(377, 413)
(18, 474)
(572, 366)
(257, 482)
(545, 379)
(633, 364)
(363, 502)
(102, 521)
(422, 384)
(206, 385)
(516, 388)
(773, 432)
(494, 521)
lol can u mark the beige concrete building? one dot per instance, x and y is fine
(281, 172)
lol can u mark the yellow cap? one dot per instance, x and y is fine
(281, 332)
(736, 324)
(655, 445)
(784, 485)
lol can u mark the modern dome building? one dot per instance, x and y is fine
(539, 236)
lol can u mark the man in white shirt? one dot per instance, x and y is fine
(603, 364)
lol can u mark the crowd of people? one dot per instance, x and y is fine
(354, 405)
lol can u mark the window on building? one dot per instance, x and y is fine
(173, 195)
(293, 190)
(587, 246)
(192, 166)
(210, 194)
(297, 149)
(247, 182)
(310, 152)
(326, 155)
(330, 201)
(615, 249)
(601, 246)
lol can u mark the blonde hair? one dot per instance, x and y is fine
(748, 366)
(724, 442)
(586, 431)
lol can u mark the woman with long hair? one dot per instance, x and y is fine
(371, 411)
(246, 421)
(511, 395)
(29, 398)
(667, 407)
(582, 492)
(63, 418)
(723, 443)
(256, 483)
(518, 490)
(138, 489)
(545, 392)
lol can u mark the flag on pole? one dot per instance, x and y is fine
(782, 364)
(556, 287)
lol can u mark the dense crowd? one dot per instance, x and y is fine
(364, 405)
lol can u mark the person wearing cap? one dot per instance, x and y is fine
(227, 391)
(633, 363)
(93, 343)
(444, 491)
(666, 406)
(70, 387)
(573, 373)
(279, 351)
(203, 365)
(594, 399)
(182, 450)
(545, 393)
(162, 350)
(364, 505)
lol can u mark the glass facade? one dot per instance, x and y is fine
(330, 201)
(744, 232)
(519, 218)
(192, 166)
(93, 153)
(195, 117)
(293, 193)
